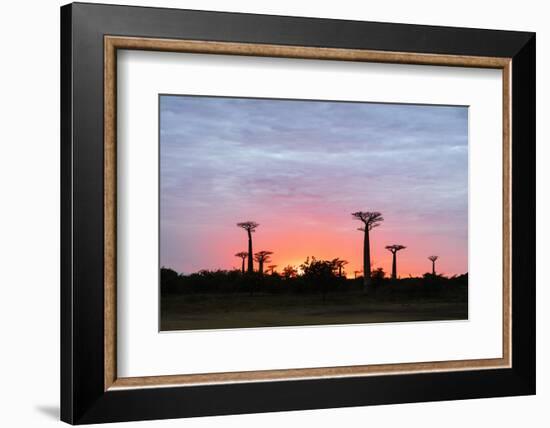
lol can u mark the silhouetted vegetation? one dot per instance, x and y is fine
(262, 257)
(370, 220)
(250, 227)
(433, 259)
(394, 249)
(313, 277)
(242, 255)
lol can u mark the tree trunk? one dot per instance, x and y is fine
(242, 267)
(261, 267)
(366, 261)
(394, 266)
(250, 260)
(433, 268)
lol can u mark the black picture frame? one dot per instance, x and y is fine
(83, 398)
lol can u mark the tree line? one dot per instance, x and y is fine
(311, 276)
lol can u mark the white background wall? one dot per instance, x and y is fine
(29, 214)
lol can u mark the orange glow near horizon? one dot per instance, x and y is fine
(294, 242)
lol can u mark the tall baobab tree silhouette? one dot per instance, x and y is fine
(433, 259)
(243, 255)
(262, 257)
(271, 269)
(249, 226)
(370, 220)
(394, 249)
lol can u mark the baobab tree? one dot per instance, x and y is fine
(243, 255)
(271, 269)
(394, 249)
(250, 227)
(262, 257)
(340, 265)
(433, 259)
(370, 220)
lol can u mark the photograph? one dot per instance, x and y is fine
(291, 212)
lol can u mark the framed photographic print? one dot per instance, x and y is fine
(265, 213)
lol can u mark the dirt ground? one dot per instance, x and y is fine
(222, 311)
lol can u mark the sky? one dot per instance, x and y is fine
(299, 169)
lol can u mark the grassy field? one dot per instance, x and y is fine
(240, 310)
